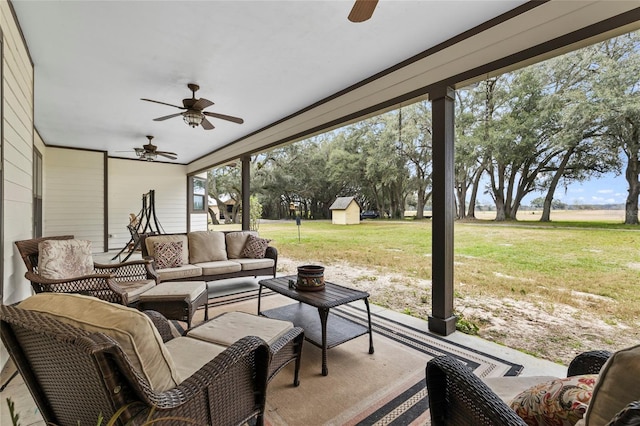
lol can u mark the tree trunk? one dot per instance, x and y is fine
(234, 213)
(632, 174)
(500, 215)
(474, 195)
(462, 198)
(214, 219)
(420, 203)
(546, 208)
(498, 193)
(509, 212)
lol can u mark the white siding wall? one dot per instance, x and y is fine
(348, 216)
(129, 180)
(198, 222)
(352, 214)
(17, 142)
(338, 217)
(74, 200)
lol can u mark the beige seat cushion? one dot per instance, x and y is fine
(252, 264)
(150, 241)
(184, 271)
(135, 288)
(63, 259)
(232, 326)
(220, 267)
(618, 384)
(206, 246)
(236, 242)
(175, 290)
(133, 330)
(189, 355)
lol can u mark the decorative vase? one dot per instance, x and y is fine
(310, 278)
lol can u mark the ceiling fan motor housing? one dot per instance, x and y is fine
(194, 114)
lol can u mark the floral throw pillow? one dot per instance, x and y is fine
(63, 259)
(560, 402)
(167, 254)
(255, 247)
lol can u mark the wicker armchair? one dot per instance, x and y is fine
(459, 397)
(118, 283)
(76, 376)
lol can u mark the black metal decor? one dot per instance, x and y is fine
(147, 217)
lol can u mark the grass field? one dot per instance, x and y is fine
(589, 263)
(490, 257)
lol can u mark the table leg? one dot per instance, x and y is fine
(324, 314)
(366, 302)
(259, 298)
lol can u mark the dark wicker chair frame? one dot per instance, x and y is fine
(459, 397)
(75, 376)
(110, 282)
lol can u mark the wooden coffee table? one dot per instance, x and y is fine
(332, 330)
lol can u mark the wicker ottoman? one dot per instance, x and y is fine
(285, 340)
(176, 300)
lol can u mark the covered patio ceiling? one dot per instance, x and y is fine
(290, 69)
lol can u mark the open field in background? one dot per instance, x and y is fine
(526, 286)
(605, 216)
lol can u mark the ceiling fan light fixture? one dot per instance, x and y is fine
(192, 118)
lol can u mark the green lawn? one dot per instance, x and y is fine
(518, 259)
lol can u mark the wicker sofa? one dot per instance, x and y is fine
(209, 255)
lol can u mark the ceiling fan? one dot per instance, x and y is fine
(362, 10)
(194, 115)
(149, 152)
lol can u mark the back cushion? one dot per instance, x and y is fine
(62, 259)
(150, 242)
(133, 330)
(236, 242)
(205, 246)
(618, 384)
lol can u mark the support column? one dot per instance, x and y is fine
(246, 207)
(442, 320)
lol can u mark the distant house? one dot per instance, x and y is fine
(221, 213)
(345, 211)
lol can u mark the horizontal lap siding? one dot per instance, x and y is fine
(17, 146)
(74, 201)
(199, 221)
(129, 180)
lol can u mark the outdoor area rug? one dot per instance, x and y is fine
(384, 388)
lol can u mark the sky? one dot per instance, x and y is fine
(609, 189)
(606, 190)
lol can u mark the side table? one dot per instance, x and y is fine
(321, 328)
